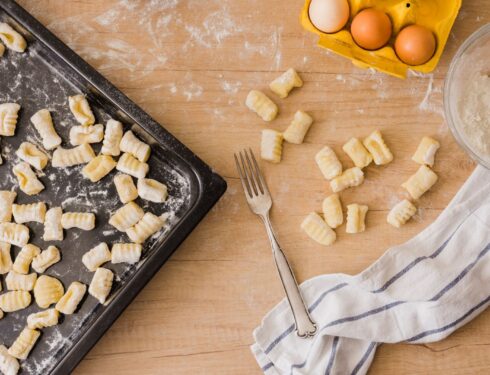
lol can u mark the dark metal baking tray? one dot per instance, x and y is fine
(44, 77)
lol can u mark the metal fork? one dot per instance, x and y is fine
(260, 202)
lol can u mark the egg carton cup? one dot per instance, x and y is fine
(436, 15)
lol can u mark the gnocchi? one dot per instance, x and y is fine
(283, 84)
(43, 319)
(101, 284)
(80, 220)
(96, 256)
(18, 281)
(376, 145)
(32, 155)
(46, 259)
(8, 118)
(7, 198)
(71, 299)
(420, 182)
(8, 364)
(48, 290)
(11, 38)
(298, 128)
(132, 145)
(24, 258)
(14, 234)
(126, 253)
(63, 157)
(81, 109)
(152, 190)
(128, 164)
(356, 218)
(24, 213)
(259, 103)
(126, 216)
(350, 178)
(2, 49)
(86, 134)
(426, 151)
(28, 181)
(24, 343)
(99, 167)
(401, 213)
(53, 230)
(112, 138)
(146, 227)
(43, 123)
(329, 164)
(332, 211)
(314, 226)
(271, 146)
(357, 152)
(5, 258)
(15, 300)
(125, 188)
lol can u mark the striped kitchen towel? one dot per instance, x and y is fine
(417, 292)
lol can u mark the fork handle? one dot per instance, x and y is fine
(305, 327)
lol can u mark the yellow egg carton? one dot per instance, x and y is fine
(437, 15)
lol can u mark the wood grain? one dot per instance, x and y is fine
(190, 64)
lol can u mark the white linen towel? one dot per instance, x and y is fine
(417, 292)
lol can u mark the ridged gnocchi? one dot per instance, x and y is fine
(128, 164)
(146, 227)
(8, 118)
(271, 146)
(86, 134)
(24, 258)
(46, 259)
(296, 131)
(14, 234)
(318, 230)
(259, 103)
(357, 152)
(80, 220)
(64, 157)
(350, 178)
(152, 190)
(24, 343)
(43, 123)
(5, 258)
(356, 218)
(125, 188)
(24, 213)
(8, 364)
(132, 145)
(96, 256)
(401, 213)
(28, 181)
(126, 253)
(70, 300)
(12, 39)
(420, 182)
(48, 290)
(7, 198)
(101, 284)
(329, 164)
(99, 167)
(377, 147)
(18, 281)
(426, 151)
(81, 109)
(126, 216)
(283, 84)
(332, 211)
(14, 300)
(53, 230)
(32, 155)
(43, 319)
(112, 138)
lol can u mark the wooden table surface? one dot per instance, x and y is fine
(190, 64)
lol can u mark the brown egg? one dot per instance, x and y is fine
(415, 45)
(371, 29)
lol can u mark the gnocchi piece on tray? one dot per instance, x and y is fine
(125, 188)
(358, 153)
(14, 234)
(53, 230)
(2, 50)
(96, 256)
(101, 284)
(332, 211)
(15, 300)
(350, 178)
(43, 319)
(24, 258)
(11, 38)
(8, 364)
(43, 123)
(146, 227)
(29, 153)
(99, 167)
(128, 164)
(152, 190)
(283, 84)
(356, 218)
(132, 145)
(63, 157)
(5, 258)
(314, 226)
(80, 220)
(70, 300)
(8, 118)
(18, 281)
(48, 290)
(328, 163)
(112, 138)
(271, 146)
(81, 109)
(24, 343)
(401, 213)
(126, 253)
(86, 134)
(28, 181)
(426, 151)
(296, 131)
(420, 182)
(7, 199)
(259, 103)
(376, 145)
(24, 213)
(126, 216)
(46, 259)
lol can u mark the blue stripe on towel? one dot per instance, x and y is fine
(332, 355)
(364, 358)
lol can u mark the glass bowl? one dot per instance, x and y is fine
(469, 66)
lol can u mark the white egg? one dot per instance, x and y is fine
(329, 16)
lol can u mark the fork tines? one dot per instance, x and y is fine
(252, 180)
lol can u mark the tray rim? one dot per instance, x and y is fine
(211, 185)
